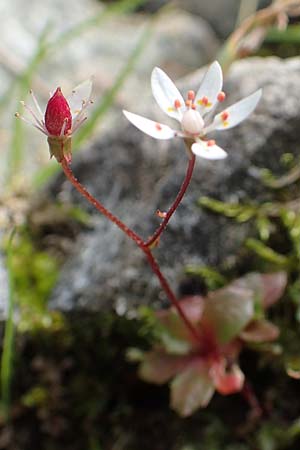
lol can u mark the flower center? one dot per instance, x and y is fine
(192, 122)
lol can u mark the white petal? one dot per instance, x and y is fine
(154, 129)
(213, 152)
(81, 94)
(165, 93)
(210, 87)
(237, 112)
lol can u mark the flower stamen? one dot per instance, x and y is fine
(224, 117)
(203, 101)
(191, 95)
(221, 96)
(36, 103)
(30, 110)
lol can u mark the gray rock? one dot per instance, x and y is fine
(134, 175)
(220, 14)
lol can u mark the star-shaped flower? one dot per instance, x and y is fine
(196, 113)
(62, 117)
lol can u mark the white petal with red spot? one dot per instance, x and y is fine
(207, 151)
(236, 113)
(210, 87)
(154, 129)
(166, 94)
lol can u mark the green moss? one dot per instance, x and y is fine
(74, 390)
(35, 273)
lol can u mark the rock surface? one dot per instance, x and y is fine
(134, 175)
(221, 14)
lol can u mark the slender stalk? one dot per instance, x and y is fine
(83, 191)
(166, 287)
(137, 239)
(175, 205)
(262, 19)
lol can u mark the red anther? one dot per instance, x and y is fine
(204, 100)
(177, 104)
(193, 106)
(57, 114)
(224, 116)
(188, 103)
(221, 96)
(211, 142)
(158, 126)
(161, 214)
(191, 95)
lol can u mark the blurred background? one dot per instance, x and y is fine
(66, 317)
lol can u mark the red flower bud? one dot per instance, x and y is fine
(58, 118)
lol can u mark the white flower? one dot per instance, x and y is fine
(196, 114)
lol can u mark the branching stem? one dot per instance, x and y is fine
(144, 246)
(176, 203)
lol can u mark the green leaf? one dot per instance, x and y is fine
(158, 367)
(174, 345)
(260, 331)
(290, 35)
(213, 279)
(267, 253)
(175, 335)
(241, 213)
(293, 366)
(267, 288)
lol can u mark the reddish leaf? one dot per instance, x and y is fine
(227, 311)
(178, 338)
(175, 336)
(191, 389)
(260, 331)
(193, 307)
(267, 288)
(274, 285)
(159, 367)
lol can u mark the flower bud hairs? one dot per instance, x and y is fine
(62, 118)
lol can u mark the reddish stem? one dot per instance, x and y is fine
(165, 285)
(130, 233)
(137, 239)
(175, 205)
